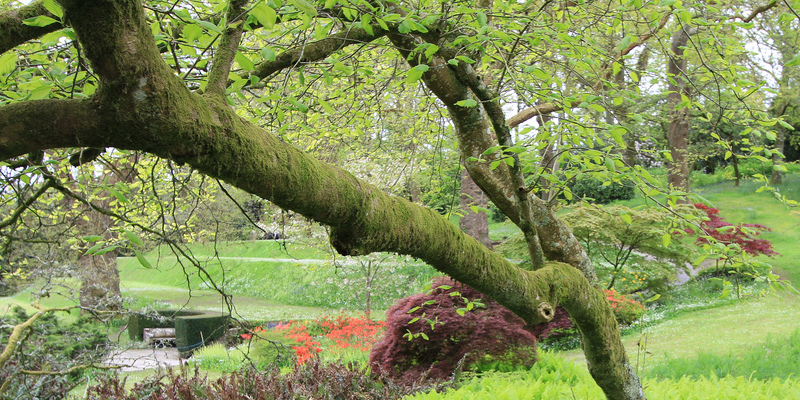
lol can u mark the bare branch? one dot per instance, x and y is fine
(756, 11)
(14, 33)
(607, 71)
(319, 50)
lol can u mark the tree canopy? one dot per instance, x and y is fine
(532, 94)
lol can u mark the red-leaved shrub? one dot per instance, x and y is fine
(490, 335)
(727, 233)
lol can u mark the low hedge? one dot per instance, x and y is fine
(192, 328)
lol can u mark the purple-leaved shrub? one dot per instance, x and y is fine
(427, 338)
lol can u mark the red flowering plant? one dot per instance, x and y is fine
(625, 308)
(331, 334)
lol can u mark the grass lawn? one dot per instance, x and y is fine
(730, 329)
(161, 296)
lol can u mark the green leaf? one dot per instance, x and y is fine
(40, 92)
(8, 62)
(666, 239)
(92, 238)
(209, 26)
(143, 260)
(728, 155)
(265, 15)
(654, 298)
(461, 311)
(54, 8)
(94, 248)
(785, 124)
(327, 107)
(616, 134)
(305, 7)
(483, 20)
(268, 54)
(119, 196)
(539, 73)
(414, 74)
(794, 61)
(467, 103)
(39, 21)
(366, 19)
(626, 218)
(105, 250)
(244, 62)
(609, 162)
(134, 238)
(597, 107)
(191, 32)
(431, 50)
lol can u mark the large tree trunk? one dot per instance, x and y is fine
(678, 134)
(141, 105)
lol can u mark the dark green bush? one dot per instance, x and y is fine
(49, 345)
(600, 193)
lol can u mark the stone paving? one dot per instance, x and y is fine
(142, 359)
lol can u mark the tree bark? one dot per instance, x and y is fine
(475, 224)
(678, 134)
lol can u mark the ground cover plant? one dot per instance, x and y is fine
(312, 380)
(553, 377)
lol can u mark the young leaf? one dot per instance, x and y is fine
(8, 62)
(94, 249)
(143, 260)
(133, 238)
(467, 103)
(305, 7)
(54, 8)
(39, 21)
(92, 238)
(265, 15)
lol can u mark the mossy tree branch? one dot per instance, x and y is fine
(14, 33)
(226, 51)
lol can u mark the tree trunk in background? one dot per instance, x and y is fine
(776, 178)
(99, 273)
(678, 134)
(472, 223)
(548, 163)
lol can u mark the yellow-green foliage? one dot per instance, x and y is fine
(555, 378)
